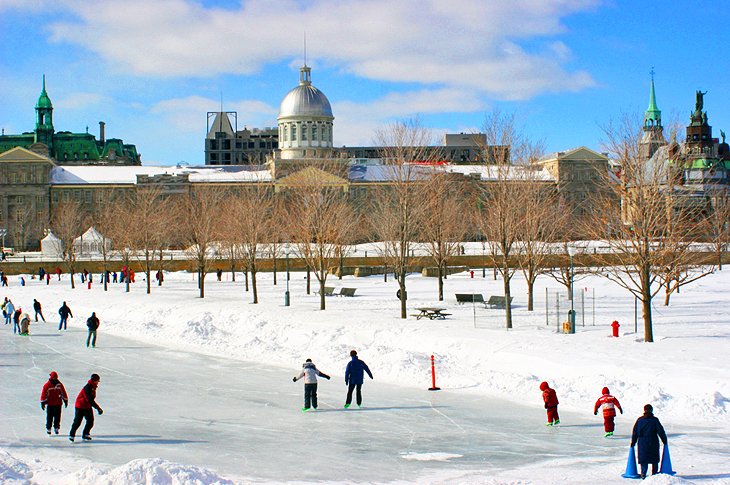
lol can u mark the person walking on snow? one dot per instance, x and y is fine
(93, 323)
(65, 312)
(53, 395)
(609, 404)
(551, 404)
(354, 378)
(646, 431)
(38, 311)
(85, 405)
(309, 373)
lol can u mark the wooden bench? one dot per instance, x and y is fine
(347, 291)
(469, 298)
(328, 291)
(498, 301)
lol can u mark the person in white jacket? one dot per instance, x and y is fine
(309, 373)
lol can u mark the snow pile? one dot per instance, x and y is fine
(13, 471)
(148, 472)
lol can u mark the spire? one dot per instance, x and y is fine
(305, 72)
(652, 117)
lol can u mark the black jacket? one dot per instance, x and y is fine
(647, 432)
(92, 322)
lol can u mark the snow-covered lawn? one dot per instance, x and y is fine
(683, 374)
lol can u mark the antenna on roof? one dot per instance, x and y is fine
(305, 47)
(221, 101)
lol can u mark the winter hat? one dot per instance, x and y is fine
(605, 391)
(95, 377)
(53, 375)
(543, 386)
(648, 408)
(353, 353)
(308, 360)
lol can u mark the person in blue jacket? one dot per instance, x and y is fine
(647, 433)
(354, 377)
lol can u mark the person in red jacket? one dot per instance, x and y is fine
(53, 395)
(85, 404)
(609, 405)
(551, 404)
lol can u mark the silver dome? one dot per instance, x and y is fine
(305, 100)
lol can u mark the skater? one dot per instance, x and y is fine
(24, 324)
(85, 404)
(93, 323)
(52, 396)
(8, 310)
(38, 311)
(609, 405)
(58, 273)
(309, 373)
(65, 312)
(114, 277)
(354, 377)
(160, 277)
(219, 273)
(646, 431)
(551, 404)
(48, 279)
(16, 320)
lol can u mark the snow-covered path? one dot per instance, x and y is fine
(243, 420)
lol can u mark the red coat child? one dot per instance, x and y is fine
(609, 405)
(551, 403)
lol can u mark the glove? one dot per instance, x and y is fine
(622, 411)
(101, 411)
(43, 406)
(545, 405)
(328, 378)
(595, 413)
(294, 379)
(65, 404)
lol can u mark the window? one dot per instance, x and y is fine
(304, 132)
(314, 133)
(286, 133)
(293, 132)
(19, 200)
(213, 145)
(87, 195)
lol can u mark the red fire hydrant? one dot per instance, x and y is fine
(472, 273)
(614, 327)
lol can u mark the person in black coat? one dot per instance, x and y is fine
(647, 433)
(93, 323)
(354, 377)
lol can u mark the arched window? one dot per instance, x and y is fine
(293, 132)
(286, 133)
(305, 129)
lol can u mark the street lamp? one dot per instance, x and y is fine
(286, 294)
(571, 315)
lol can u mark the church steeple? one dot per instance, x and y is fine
(653, 136)
(44, 118)
(652, 117)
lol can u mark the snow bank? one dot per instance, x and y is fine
(148, 472)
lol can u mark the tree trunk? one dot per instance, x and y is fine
(274, 269)
(385, 273)
(201, 279)
(72, 280)
(342, 266)
(646, 305)
(253, 283)
(667, 293)
(233, 271)
(441, 283)
(321, 293)
(507, 294)
(245, 276)
(719, 260)
(148, 272)
(309, 279)
(530, 293)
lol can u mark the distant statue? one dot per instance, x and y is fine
(699, 103)
(722, 135)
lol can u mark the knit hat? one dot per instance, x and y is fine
(308, 360)
(53, 375)
(605, 391)
(543, 386)
(95, 377)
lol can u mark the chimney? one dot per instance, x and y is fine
(101, 131)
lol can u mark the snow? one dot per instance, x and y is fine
(199, 390)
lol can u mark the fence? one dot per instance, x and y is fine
(557, 305)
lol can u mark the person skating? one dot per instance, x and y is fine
(551, 404)
(53, 395)
(65, 312)
(16, 319)
(609, 404)
(647, 433)
(37, 308)
(9, 311)
(309, 373)
(354, 378)
(93, 324)
(24, 324)
(84, 407)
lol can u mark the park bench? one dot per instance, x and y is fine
(347, 291)
(469, 298)
(498, 301)
(328, 291)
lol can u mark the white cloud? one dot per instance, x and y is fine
(79, 101)
(462, 44)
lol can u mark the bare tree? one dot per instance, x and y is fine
(397, 211)
(104, 220)
(198, 217)
(319, 221)
(501, 201)
(443, 224)
(716, 225)
(646, 232)
(68, 222)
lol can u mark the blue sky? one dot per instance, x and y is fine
(152, 68)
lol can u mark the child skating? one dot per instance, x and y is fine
(551, 404)
(609, 404)
(309, 373)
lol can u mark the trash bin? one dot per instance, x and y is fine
(614, 328)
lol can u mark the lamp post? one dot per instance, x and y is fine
(286, 293)
(571, 313)
(484, 261)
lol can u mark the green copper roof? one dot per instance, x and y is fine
(43, 100)
(652, 117)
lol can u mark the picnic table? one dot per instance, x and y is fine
(431, 313)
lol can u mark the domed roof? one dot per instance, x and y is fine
(43, 100)
(305, 99)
